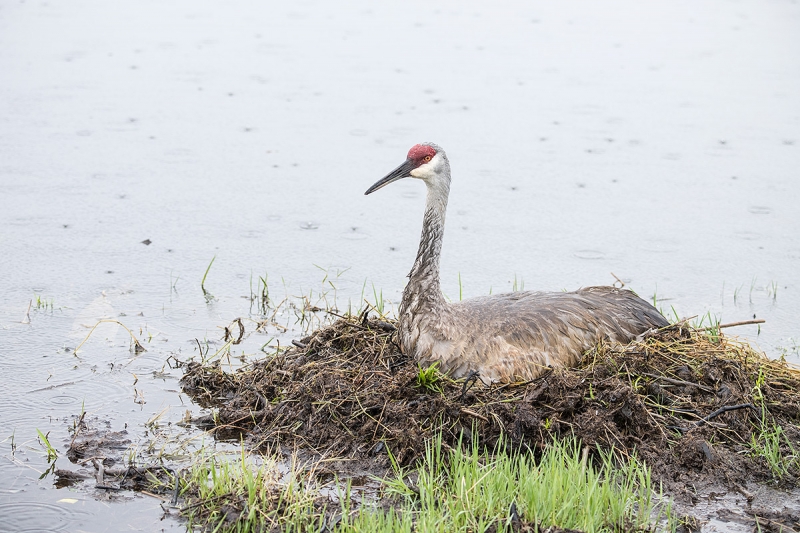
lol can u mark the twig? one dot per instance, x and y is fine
(681, 322)
(723, 410)
(734, 324)
(470, 412)
(77, 429)
(51, 387)
(621, 283)
(200, 349)
(679, 382)
(229, 333)
(473, 377)
(100, 474)
(349, 323)
(337, 315)
(744, 492)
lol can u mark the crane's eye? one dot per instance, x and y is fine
(426, 158)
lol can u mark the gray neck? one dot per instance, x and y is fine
(423, 289)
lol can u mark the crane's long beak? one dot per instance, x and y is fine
(403, 171)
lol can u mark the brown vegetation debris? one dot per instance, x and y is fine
(686, 401)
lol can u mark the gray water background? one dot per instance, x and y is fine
(656, 141)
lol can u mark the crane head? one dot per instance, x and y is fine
(425, 161)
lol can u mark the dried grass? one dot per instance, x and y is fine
(347, 391)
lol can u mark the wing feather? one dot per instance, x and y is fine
(516, 335)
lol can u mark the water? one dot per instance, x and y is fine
(659, 143)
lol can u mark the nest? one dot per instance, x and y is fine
(684, 400)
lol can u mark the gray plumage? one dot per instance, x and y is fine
(505, 337)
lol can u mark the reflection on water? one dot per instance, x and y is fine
(141, 140)
(589, 254)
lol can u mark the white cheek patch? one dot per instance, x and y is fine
(419, 172)
(426, 171)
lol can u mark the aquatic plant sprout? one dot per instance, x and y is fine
(469, 491)
(457, 489)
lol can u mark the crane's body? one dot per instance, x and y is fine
(504, 337)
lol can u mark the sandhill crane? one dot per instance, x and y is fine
(505, 337)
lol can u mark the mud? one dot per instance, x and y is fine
(685, 401)
(100, 460)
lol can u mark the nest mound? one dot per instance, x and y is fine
(688, 402)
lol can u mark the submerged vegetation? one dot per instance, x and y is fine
(43, 304)
(52, 454)
(208, 296)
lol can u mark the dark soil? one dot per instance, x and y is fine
(347, 391)
(99, 455)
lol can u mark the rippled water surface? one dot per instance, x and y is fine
(139, 140)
